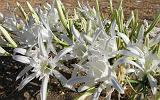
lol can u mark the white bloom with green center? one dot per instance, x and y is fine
(96, 66)
(144, 61)
(41, 63)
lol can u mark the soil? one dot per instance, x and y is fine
(9, 68)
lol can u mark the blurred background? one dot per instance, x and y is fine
(146, 8)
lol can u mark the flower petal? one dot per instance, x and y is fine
(62, 53)
(98, 91)
(83, 88)
(123, 60)
(116, 85)
(153, 83)
(41, 46)
(77, 34)
(127, 53)
(63, 80)
(20, 51)
(43, 91)
(65, 38)
(24, 71)
(112, 28)
(75, 80)
(22, 59)
(124, 37)
(26, 80)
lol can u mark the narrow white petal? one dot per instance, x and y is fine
(41, 46)
(65, 38)
(79, 67)
(19, 50)
(88, 38)
(50, 47)
(97, 93)
(153, 83)
(22, 59)
(74, 72)
(60, 77)
(43, 91)
(68, 57)
(116, 85)
(86, 86)
(128, 53)
(75, 80)
(135, 50)
(140, 35)
(62, 53)
(96, 35)
(26, 80)
(112, 28)
(124, 37)
(126, 60)
(77, 34)
(63, 80)
(83, 88)
(24, 71)
(130, 70)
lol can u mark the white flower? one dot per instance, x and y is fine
(41, 62)
(144, 61)
(94, 63)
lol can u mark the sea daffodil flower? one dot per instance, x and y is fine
(41, 62)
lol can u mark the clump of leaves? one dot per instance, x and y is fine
(111, 55)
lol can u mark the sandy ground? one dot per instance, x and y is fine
(146, 8)
(9, 69)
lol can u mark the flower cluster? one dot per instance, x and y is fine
(111, 55)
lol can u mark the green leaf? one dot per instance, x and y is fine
(157, 19)
(22, 11)
(34, 14)
(61, 14)
(98, 10)
(2, 51)
(8, 37)
(133, 81)
(86, 94)
(111, 6)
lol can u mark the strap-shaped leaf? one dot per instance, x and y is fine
(8, 37)
(34, 14)
(61, 14)
(2, 51)
(86, 94)
(22, 11)
(157, 19)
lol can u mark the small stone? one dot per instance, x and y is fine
(27, 95)
(61, 92)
